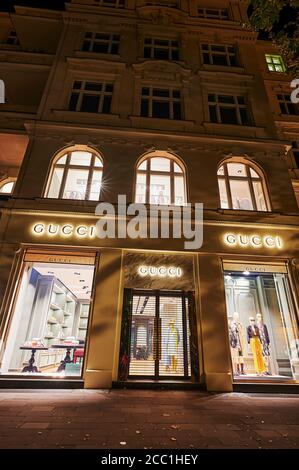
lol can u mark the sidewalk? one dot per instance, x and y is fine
(146, 419)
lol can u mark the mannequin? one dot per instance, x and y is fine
(237, 344)
(254, 339)
(265, 340)
(172, 345)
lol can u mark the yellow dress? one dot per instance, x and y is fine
(256, 347)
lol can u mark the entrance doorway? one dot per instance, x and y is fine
(160, 335)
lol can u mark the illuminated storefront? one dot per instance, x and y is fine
(78, 309)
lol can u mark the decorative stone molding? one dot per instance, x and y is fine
(161, 70)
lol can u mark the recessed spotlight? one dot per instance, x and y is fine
(50, 272)
(246, 273)
(77, 274)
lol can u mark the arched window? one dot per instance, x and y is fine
(76, 174)
(160, 179)
(7, 185)
(242, 186)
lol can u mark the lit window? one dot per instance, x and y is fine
(241, 186)
(213, 13)
(227, 109)
(161, 103)
(163, 49)
(91, 97)
(214, 54)
(286, 105)
(76, 175)
(275, 63)
(7, 186)
(160, 180)
(101, 42)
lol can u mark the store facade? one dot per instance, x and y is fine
(77, 307)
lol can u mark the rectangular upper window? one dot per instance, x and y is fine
(160, 103)
(228, 109)
(163, 49)
(12, 38)
(104, 43)
(91, 97)
(275, 63)
(286, 105)
(218, 54)
(111, 3)
(214, 13)
(162, 3)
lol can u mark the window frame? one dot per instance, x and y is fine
(170, 48)
(218, 16)
(286, 102)
(172, 174)
(151, 98)
(92, 168)
(249, 179)
(94, 40)
(111, 4)
(271, 63)
(235, 105)
(226, 53)
(5, 181)
(83, 92)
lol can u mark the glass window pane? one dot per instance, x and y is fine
(228, 115)
(160, 189)
(253, 173)
(76, 183)
(140, 188)
(259, 196)
(97, 162)
(179, 191)
(161, 109)
(143, 165)
(80, 158)
(95, 187)
(220, 170)
(7, 187)
(241, 197)
(55, 182)
(223, 194)
(160, 164)
(90, 103)
(236, 169)
(177, 168)
(61, 160)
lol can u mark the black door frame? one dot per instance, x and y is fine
(157, 346)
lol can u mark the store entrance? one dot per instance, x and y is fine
(160, 338)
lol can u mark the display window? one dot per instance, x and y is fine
(262, 323)
(49, 321)
(159, 335)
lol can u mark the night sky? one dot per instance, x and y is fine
(7, 5)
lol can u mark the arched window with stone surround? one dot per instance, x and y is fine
(242, 186)
(160, 179)
(76, 173)
(7, 186)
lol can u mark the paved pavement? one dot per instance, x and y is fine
(146, 419)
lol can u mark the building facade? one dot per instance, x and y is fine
(168, 103)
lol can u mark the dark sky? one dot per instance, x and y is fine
(7, 5)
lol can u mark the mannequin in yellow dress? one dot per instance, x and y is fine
(254, 339)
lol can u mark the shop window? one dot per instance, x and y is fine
(76, 175)
(218, 54)
(213, 13)
(242, 186)
(91, 97)
(101, 42)
(275, 63)
(263, 334)
(160, 180)
(49, 323)
(163, 49)
(7, 186)
(161, 103)
(286, 106)
(228, 109)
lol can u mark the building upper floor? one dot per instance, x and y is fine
(189, 67)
